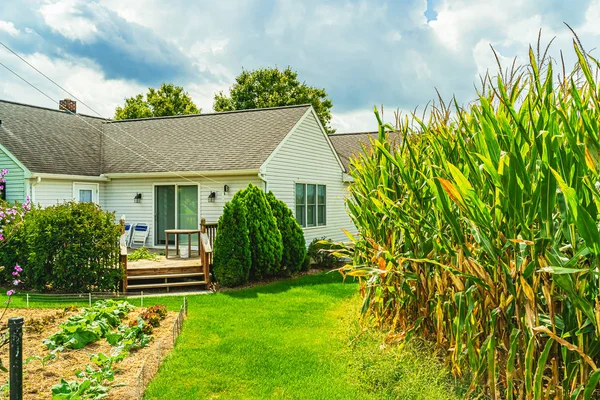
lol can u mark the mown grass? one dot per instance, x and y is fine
(293, 339)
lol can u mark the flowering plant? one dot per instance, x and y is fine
(4, 338)
(10, 214)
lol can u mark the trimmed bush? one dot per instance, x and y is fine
(265, 239)
(320, 257)
(232, 259)
(305, 263)
(292, 236)
(71, 247)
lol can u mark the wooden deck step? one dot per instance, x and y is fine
(161, 285)
(163, 276)
(131, 272)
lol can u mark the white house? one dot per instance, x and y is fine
(170, 172)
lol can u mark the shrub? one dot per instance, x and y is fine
(232, 258)
(305, 263)
(292, 236)
(480, 232)
(265, 239)
(319, 254)
(70, 247)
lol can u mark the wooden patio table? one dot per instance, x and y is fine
(178, 232)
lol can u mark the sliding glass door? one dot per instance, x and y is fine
(176, 207)
(187, 211)
(164, 209)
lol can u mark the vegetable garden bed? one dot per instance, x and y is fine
(45, 368)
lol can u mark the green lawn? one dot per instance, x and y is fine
(290, 340)
(293, 339)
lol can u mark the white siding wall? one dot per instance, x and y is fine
(49, 192)
(118, 195)
(15, 180)
(306, 157)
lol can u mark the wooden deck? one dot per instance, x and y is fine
(164, 273)
(172, 271)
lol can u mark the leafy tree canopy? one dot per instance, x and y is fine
(272, 87)
(164, 101)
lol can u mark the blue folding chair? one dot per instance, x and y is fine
(127, 234)
(139, 235)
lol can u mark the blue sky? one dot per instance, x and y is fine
(364, 53)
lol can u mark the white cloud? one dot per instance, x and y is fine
(81, 77)
(66, 18)
(393, 36)
(8, 27)
(362, 53)
(592, 16)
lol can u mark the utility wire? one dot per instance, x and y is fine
(99, 130)
(107, 120)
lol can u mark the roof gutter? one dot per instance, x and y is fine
(172, 174)
(65, 177)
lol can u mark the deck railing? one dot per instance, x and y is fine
(211, 230)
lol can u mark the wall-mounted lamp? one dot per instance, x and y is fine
(137, 198)
(212, 197)
(226, 189)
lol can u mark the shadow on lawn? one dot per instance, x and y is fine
(305, 281)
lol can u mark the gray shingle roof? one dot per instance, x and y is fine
(51, 141)
(348, 145)
(206, 142)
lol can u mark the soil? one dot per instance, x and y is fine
(38, 380)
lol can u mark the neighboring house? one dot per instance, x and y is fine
(170, 172)
(349, 145)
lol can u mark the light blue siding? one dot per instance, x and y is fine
(15, 180)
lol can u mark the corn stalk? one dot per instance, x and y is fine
(479, 231)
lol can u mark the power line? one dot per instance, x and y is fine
(109, 121)
(99, 130)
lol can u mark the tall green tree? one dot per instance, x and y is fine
(292, 236)
(167, 100)
(232, 259)
(266, 246)
(272, 87)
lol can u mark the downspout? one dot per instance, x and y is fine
(33, 185)
(263, 177)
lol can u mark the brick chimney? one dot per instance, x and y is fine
(68, 105)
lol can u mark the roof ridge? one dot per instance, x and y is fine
(211, 113)
(51, 109)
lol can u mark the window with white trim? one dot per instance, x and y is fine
(311, 204)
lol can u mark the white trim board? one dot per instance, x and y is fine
(312, 111)
(26, 172)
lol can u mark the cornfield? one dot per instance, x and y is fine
(478, 230)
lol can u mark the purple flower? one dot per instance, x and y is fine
(18, 269)
(10, 292)
(16, 282)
